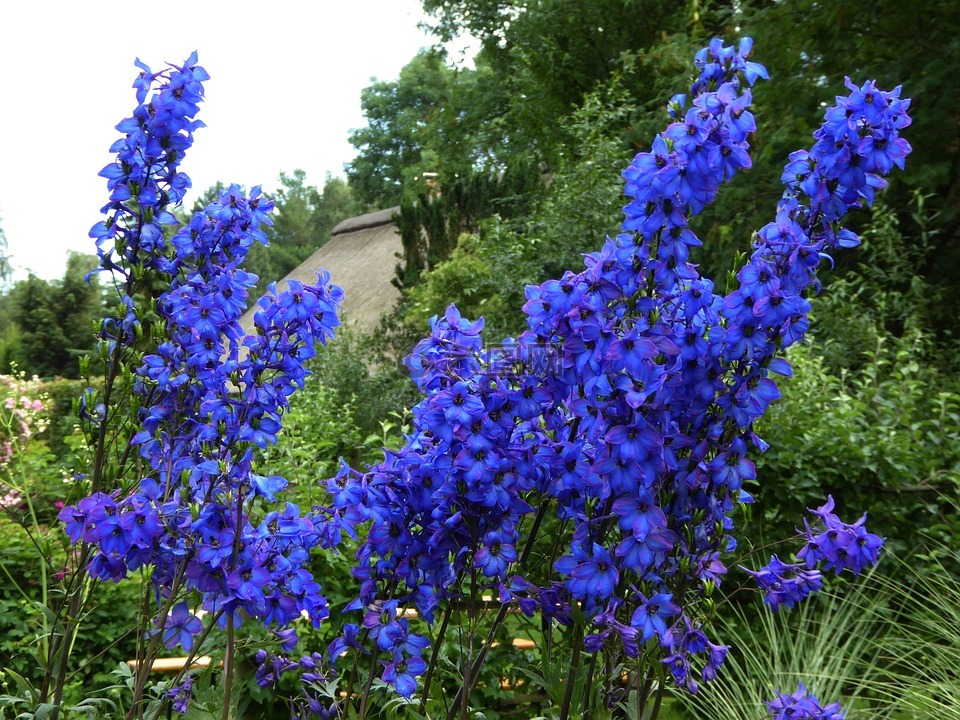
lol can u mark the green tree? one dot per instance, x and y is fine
(544, 56)
(5, 268)
(9, 332)
(43, 345)
(55, 321)
(397, 145)
(334, 204)
(293, 226)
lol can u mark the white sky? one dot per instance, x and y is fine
(284, 91)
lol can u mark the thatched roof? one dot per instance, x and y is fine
(364, 222)
(361, 257)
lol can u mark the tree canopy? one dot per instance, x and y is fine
(47, 326)
(576, 86)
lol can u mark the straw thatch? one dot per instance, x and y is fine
(361, 257)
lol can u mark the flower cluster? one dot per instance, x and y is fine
(22, 414)
(687, 164)
(198, 437)
(145, 177)
(641, 435)
(801, 706)
(833, 543)
(11, 498)
(838, 545)
(786, 583)
(311, 669)
(180, 696)
(202, 519)
(485, 439)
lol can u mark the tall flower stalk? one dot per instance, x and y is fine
(627, 409)
(196, 518)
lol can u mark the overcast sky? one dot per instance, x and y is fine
(284, 92)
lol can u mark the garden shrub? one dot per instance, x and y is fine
(883, 440)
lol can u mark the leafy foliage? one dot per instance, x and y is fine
(54, 321)
(872, 414)
(431, 224)
(884, 440)
(403, 117)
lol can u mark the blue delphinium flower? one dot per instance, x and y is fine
(641, 433)
(650, 617)
(180, 627)
(180, 696)
(493, 558)
(402, 673)
(840, 546)
(800, 705)
(786, 584)
(595, 577)
(208, 394)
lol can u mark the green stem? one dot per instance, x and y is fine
(434, 655)
(656, 704)
(369, 685)
(186, 666)
(146, 661)
(501, 615)
(472, 618)
(56, 640)
(228, 669)
(71, 622)
(100, 451)
(572, 675)
(588, 687)
(643, 692)
(355, 672)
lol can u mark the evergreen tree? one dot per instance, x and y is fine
(54, 322)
